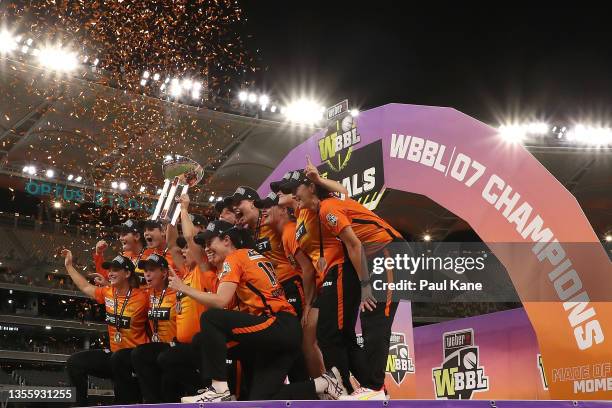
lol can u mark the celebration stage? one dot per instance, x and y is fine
(390, 403)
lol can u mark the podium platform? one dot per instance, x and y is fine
(386, 404)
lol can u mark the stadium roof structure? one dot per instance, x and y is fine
(76, 126)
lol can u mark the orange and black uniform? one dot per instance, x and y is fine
(128, 316)
(162, 326)
(179, 363)
(338, 297)
(264, 330)
(376, 235)
(270, 244)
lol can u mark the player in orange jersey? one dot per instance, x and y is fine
(126, 316)
(264, 326)
(338, 294)
(162, 323)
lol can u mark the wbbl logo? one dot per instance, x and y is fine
(399, 362)
(460, 375)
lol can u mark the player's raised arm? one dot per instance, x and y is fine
(77, 278)
(313, 174)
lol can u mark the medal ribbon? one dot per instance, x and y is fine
(125, 302)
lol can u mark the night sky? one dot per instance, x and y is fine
(504, 60)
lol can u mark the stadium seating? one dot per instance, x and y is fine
(6, 379)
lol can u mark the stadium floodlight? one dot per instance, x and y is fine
(354, 112)
(143, 82)
(50, 173)
(243, 96)
(58, 59)
(142, 189)
(537, 128)
(264, 100)
(426, 237)
(146, 74)
(8, 42)
(273, 108)
(122, 185)
(195, 90)
(512, 133)
(304, 111)
(592, 135)
(175, 88)
(252, 98)
(187, 84)
(57, 205)
(70, 177)
(156, 77)
(114, 185)
(78, 179)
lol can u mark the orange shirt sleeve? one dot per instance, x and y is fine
(232, 270)
(289, 242)
(99, 295)
(332, 216)
(99, 260)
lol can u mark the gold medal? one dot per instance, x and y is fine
(117, 337)
(177, 305)
(155, 338)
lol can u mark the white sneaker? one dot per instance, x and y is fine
(366, 394)
(209, 395)
(335, 388)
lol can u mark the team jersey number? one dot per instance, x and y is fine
(269, 270)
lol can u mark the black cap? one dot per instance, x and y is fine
(150, 224)
(244, 193)
(270, 201)
(154, 260)
(297, 177)
(213, 229)
(227, 202)
(198, 219)
(120, 261)
(275, 185)
(127, 227)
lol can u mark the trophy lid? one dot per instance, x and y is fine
(187, 170)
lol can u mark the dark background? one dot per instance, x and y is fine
(494, 61)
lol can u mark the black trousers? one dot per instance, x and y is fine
(148, 370)
(179, 374)
(294, 292)
(100, 363)
(376, 324)
(268, 344)
(338, 303)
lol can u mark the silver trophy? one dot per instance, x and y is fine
(180, 172)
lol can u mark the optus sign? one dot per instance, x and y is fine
(55, 190)
(79, 195)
